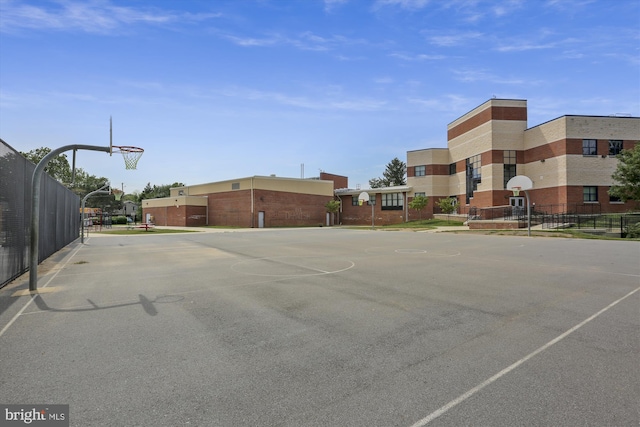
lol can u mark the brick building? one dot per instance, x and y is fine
(570, 160)
(257, 201)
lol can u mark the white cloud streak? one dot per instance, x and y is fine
(101, 17)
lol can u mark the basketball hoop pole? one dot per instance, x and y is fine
(35, 206)
(101, 190)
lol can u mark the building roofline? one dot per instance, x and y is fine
(271, 177)
(480, 105)
(584, 115)
(430, 148)
(380, 190)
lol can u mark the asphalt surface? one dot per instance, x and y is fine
(329, 327)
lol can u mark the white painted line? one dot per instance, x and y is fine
(18, 314)
(444, 409)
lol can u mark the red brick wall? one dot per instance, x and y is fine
(232, 209)
(290, 209)
(361, 215)
(182, 216)
(338, 180)
(492, 113)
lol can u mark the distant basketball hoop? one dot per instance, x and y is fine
(117, 193)
(516, 191)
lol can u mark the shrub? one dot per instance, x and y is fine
(119, 219)
(633, 231)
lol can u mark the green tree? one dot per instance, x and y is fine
(447, 205)
(58, 167)
(627, 175)
(333, 206)
(394, 174)
(418, 203)
(158, 191)
(85, 184)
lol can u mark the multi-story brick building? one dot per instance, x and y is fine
(569, 159)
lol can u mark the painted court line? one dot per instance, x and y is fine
(444, 409)
(19, 313)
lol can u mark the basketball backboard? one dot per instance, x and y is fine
(520, 183)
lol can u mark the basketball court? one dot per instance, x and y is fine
(328, 327)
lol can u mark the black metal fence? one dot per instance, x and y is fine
(609, 223)
(59, 214)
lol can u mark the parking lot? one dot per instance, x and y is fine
(329, 327)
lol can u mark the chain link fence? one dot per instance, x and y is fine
(59, 214)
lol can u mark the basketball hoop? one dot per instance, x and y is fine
(131, 155)
(516, 191)
(117, 194)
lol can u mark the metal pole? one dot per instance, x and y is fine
(35, 206)
(526, 193)
(372, 214)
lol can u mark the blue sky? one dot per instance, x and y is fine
(216, 90)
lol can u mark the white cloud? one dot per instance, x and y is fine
(404, 4)
(454, 39)
(418, 57)
(91, 16)
(330, 5)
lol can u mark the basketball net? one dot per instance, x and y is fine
(131, 155)
(117, 194)
(516, 191)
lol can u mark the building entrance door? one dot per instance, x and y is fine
(517, 205)
(260, 219)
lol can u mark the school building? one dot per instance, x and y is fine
(251, 202)
(570, 160)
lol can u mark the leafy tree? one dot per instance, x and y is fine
(58, 167)
(333, 206)
(418, 203)
(627, 175)
(158, 191)
(85, 184)
(377, 183)
(447, 205)
(393, 175)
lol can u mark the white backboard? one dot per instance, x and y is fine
(522, 181)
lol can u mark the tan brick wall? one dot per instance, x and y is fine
(603, 127)
(545, 133)
(307, 186)
(429, 156)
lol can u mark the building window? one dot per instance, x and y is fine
(590, 193)
(420, 194)
(509, 167)
(473, 175)
(392, 201)
(589, 147)
(420, 170)
(452, 169)
(235, 186)
(354, 201)
(372, 199)
(615, 147)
